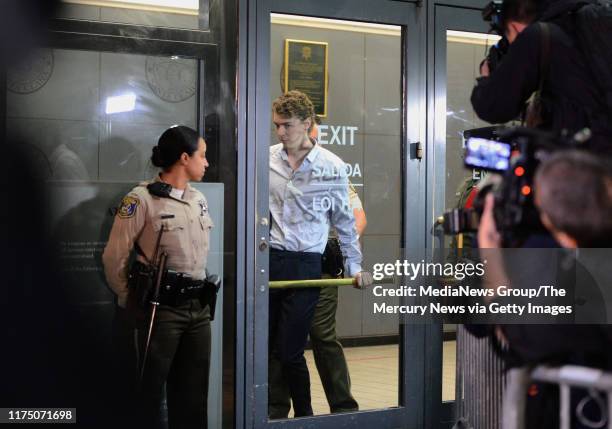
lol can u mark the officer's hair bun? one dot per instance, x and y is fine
(157, 159)
(173, 142)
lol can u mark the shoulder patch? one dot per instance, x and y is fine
(128, 206)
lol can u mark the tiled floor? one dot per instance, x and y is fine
(374, 376)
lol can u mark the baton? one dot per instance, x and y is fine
(154, 304)
(283, 284)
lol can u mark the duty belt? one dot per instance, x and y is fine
(179, 287)
(175, 288)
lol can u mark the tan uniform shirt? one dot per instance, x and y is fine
(355, 203)
(354, 199)
(141, 215)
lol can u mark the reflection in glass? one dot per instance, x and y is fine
(93, 116)
(352, 355)
(464, 51)
(87, 122)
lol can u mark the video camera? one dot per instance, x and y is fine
(492, 13)
(513, 155)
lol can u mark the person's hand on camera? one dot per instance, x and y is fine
(363, 279)
(488, 236)
(484, 68)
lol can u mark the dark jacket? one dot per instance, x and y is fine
(572, 101)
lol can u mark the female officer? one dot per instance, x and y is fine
(179, 352)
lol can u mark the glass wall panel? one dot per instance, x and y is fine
(90, 120)
(182, 14)
(94, 115)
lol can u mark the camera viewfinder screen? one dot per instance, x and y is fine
(487, 154)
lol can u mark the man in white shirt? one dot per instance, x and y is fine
(308, 195)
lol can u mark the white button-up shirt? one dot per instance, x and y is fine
(305, 203)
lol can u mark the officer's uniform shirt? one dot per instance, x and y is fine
(354, 199)
(355, 203)
(186, 223)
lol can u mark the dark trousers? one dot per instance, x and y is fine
(179, 359)
(329, 359)
(291, 312)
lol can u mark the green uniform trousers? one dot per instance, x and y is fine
(329, 359)
(179, 359)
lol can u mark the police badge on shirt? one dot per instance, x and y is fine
(204, 215)
(203, 207)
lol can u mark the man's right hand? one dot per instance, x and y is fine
(363, 279)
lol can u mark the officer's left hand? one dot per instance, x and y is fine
(363, 279)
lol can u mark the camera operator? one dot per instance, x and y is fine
(574, 197)
(544, 58)
(573, 194)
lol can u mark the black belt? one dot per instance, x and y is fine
(176, 288)
(288, 254)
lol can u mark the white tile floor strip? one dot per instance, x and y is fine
(374, 376)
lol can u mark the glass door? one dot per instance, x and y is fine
(461, 42)
(360, 69)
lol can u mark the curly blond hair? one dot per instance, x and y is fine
(295, 104)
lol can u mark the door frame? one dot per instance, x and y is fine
(460, 15)
(446, 18)
(255, 106)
